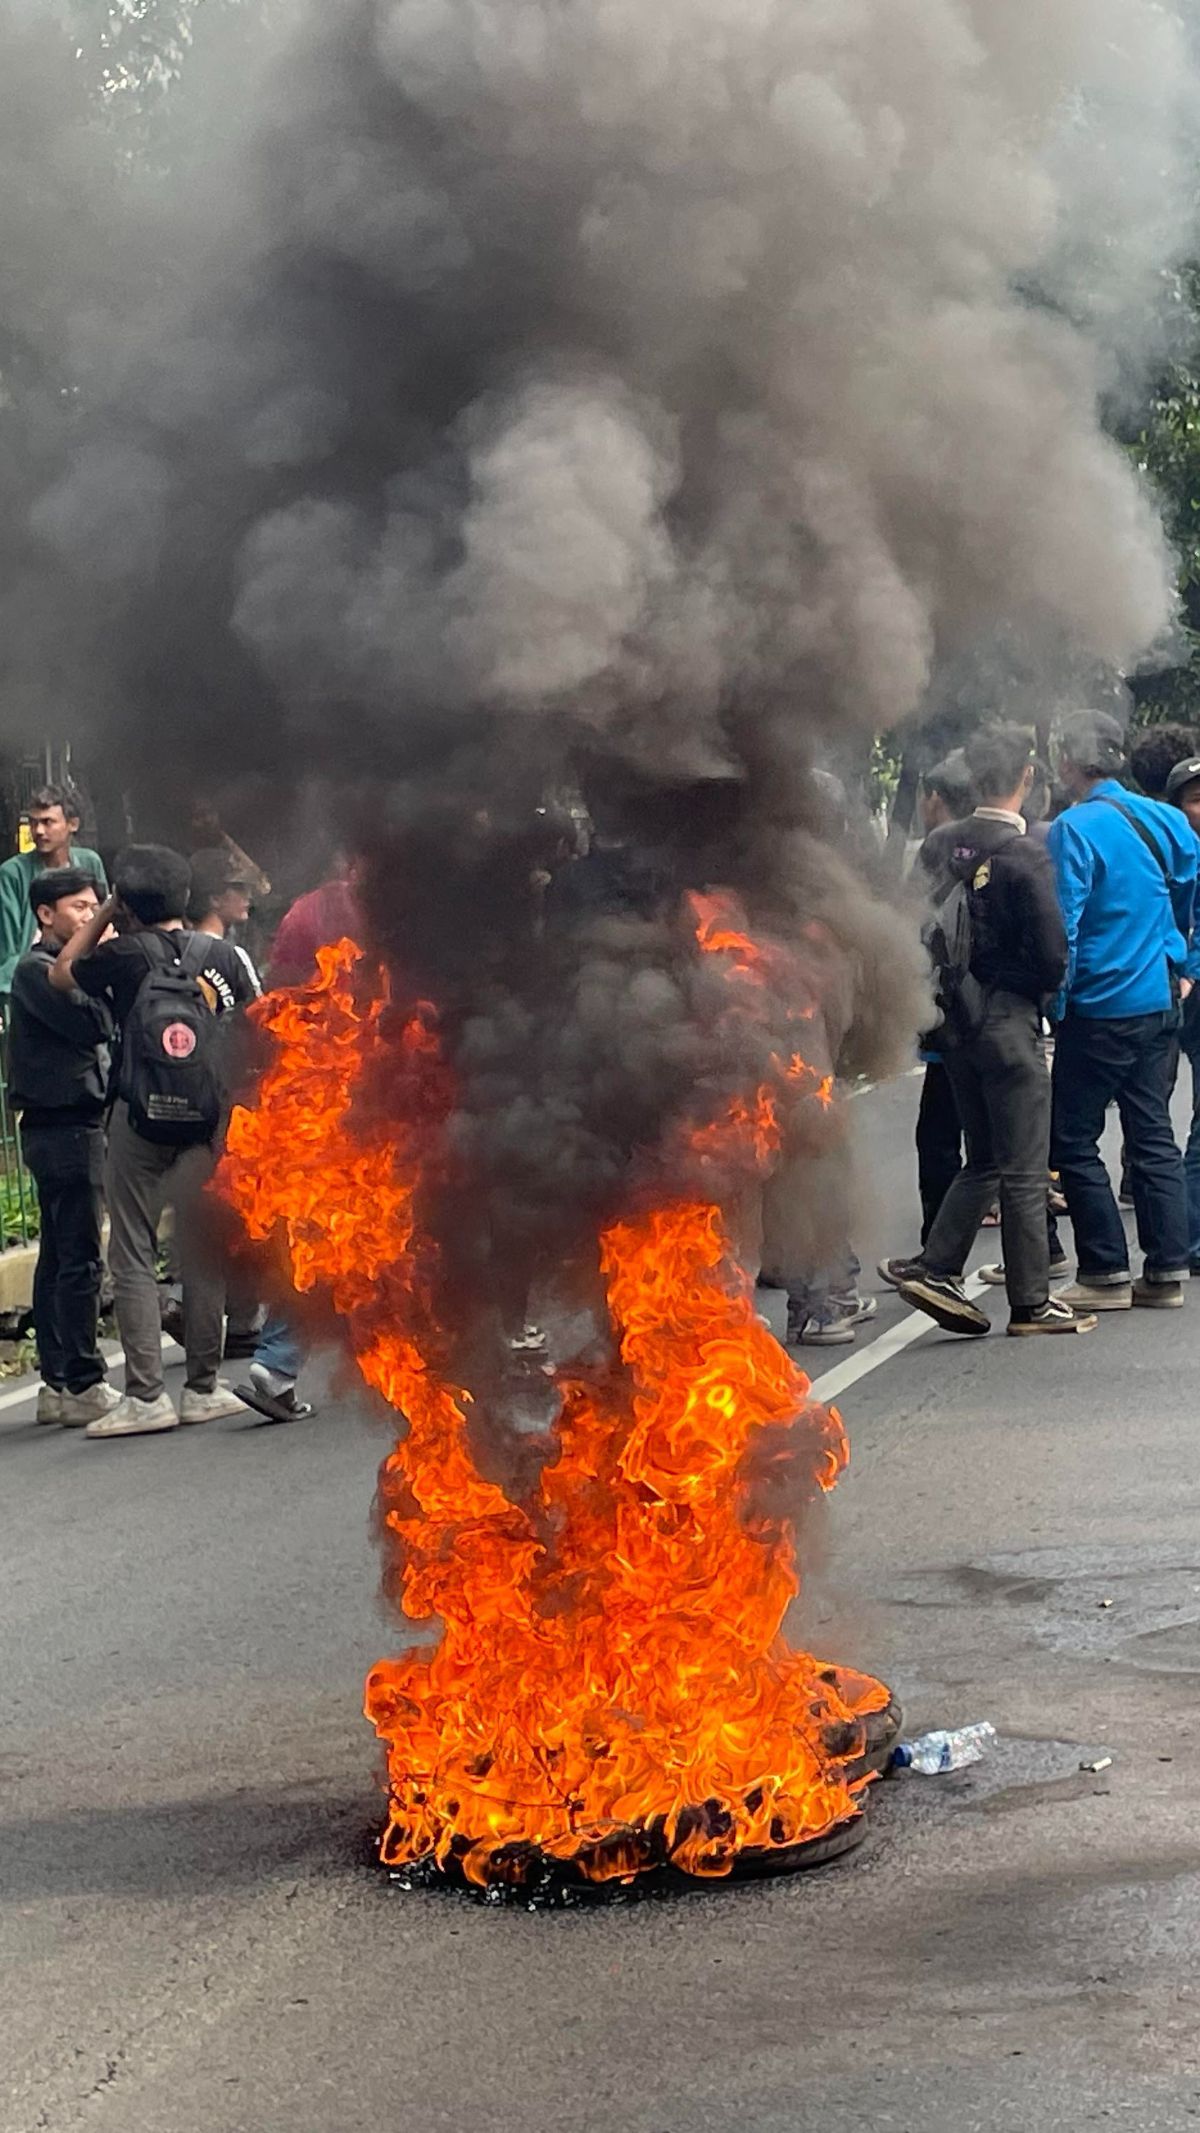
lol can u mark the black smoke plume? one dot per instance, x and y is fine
(461, 402)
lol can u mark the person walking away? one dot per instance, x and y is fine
(1128, 871)
(1183, 792)
(53, 816)
(946, 797)
(223, 884)
(168, 990)
(999, 903)
(58, 1068)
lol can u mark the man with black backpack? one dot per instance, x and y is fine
(999, 951)
(1128, 873)
(168, 989)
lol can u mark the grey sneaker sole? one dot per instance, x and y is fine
(1164, 1296)
(1084, 1298)
(946, 1312)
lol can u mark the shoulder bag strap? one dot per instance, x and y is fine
(1139, 829)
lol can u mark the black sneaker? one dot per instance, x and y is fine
(945, 1300)
(894, 1271)
(1053, 1317)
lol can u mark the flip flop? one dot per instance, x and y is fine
(292, 1410)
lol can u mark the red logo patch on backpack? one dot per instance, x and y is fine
(178, 1041)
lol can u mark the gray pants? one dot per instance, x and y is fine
(1002, 1089)
(141, 1179)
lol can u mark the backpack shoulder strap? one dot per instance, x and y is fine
(157, 951)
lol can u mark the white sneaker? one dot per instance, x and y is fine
(49, 1406)
(135, 1418)
(210, 1406)
(80, 1408)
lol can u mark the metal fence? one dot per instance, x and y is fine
(18, 1197)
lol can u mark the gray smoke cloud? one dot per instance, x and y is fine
(473, 394)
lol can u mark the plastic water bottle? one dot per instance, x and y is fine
(935, 1753)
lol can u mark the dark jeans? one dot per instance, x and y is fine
(1191, 1160)
(67, 1166)
(1002, 1090)
(1126, 1061)
(939, 1143)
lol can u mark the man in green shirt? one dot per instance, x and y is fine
(53, 823)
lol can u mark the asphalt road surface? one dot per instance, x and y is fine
(193, 1939)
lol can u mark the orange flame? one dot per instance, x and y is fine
(611, 1684)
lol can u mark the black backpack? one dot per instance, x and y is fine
(950, 938)
(171, 1075)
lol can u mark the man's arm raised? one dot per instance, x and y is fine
(62, 969)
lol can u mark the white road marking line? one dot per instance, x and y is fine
(27, 1389)
(881, 1351)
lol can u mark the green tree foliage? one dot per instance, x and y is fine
(1168, 452)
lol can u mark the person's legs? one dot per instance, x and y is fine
(51, 1359)
(79, 1212)
(245, 1315)
(1191, 1161)
(135, 1186)
(939, 1143)
(200, 1264)
(1091, 1059)
(1155, 1164)
(276, 1366)
(1016, 1092)
(967, 1201)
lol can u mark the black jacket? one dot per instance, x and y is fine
(58, 1057)
(1020, 941)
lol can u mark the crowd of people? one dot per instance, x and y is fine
(1065, 958)
(1065, 954)
(120, 1006)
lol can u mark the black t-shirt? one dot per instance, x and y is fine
(117, 970)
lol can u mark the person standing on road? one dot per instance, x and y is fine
(58, 1066)
(1183, 792)
(164, 985)
(946, 797)
(1016, 950)
(53, 817)
(222, 887)
(1128, 871)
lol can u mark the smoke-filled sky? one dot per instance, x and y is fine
(453, 389)
(592, 362)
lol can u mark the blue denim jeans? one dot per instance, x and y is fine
(278, 1348)
(1126, 1061)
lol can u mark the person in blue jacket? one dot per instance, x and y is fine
(1128, 872)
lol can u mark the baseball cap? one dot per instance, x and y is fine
(1184, 773)
(215, 870)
